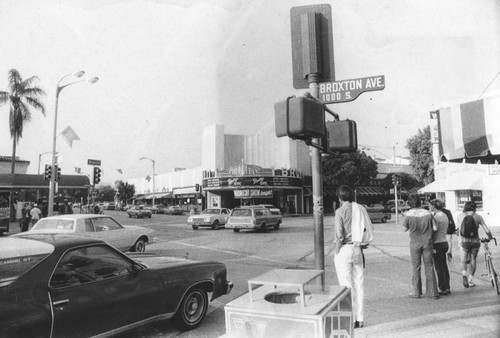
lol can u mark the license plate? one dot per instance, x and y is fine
(197, 223)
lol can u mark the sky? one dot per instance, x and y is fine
(167, 69)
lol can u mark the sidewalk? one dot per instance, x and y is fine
(474, 322)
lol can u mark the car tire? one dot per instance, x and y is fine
(192, 309)
(236, 230)
(139, 246)
(384, 220)
(129, 215)
(150, 216)
(195, 227)
(215, 225)
(262, 227)
(277, 226)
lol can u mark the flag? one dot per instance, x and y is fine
(120, 171)
(69, 135)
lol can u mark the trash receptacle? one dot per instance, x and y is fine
(287, 304)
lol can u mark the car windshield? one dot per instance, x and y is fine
(18, 256)
(241, 212)
(57, 224)
(211, 211)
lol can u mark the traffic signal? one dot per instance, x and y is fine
(58, 174)
(97, 175)
(48, 172)
(197, 187)
(342, 136)
(396, 180)
(299, 118)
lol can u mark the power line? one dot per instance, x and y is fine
(485, 89)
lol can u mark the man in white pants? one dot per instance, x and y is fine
(353, 231)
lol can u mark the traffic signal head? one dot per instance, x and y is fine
(197, 187)
(48, 172)
(299, 118)
(97, 175)
(342, 136)
(58, 173)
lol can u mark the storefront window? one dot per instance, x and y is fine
(463, 196)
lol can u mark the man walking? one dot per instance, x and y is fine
(420, 223)
(35, 214)
(353, 231)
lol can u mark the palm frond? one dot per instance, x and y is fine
(28, 82)
(35, 103)
(4, 97)
(14, 80)
(34, 92)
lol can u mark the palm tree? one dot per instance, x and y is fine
(23, 94)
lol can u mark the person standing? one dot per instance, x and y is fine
(353, 231)
(469, 241)
(35, 214)
(420, 224)
(25, 217)
(442, 247)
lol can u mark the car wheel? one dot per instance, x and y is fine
(236, 230)
(384, 220)
(139, 246)
(277, 226)
(262, 227)
(192, 309)
(150, 216)
(195, 227)
(215, 225)
(129, 215)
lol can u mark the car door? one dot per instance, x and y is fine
(112, 232)
(224, 216)
(95, 289)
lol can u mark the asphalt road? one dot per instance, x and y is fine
(248, 254)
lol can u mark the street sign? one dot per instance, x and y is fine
(395, 169)
(93, 162)
(349, 90)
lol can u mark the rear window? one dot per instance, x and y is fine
(18, 256)
(242, 212)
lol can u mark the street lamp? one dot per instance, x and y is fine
(149, 159)
(58, 91)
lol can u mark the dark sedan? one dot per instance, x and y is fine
(71, 286)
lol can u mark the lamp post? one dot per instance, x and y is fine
(54, 138)
(149, 159)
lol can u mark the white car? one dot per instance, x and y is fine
(104, 227)
(212, 217)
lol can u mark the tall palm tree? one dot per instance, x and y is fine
(23, 94)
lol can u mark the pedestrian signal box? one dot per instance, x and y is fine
(342, 136)
(299, 118)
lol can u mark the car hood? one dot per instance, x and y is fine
(153, 261)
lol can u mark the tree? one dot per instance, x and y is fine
(125, 191)
(23, 94)
(353, 169)
(107, 193)
(420, 148)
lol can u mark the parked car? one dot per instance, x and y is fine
(212, 217)
(69, 286)
(174, 210)
(139, 212)
(274, 210)
(402, 206)
(104, 227)
(126, 207)
(255, 217)
(158, 209)
(378, 213)
(109, 206)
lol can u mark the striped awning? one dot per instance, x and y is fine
(471, 130)
(371, 191)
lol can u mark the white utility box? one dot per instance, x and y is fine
(288, 305)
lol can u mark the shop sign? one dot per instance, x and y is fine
(235, 182)
(255, 193)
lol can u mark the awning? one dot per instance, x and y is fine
(470, 130)
(371, 191)
(29, 181)
(463, 182)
